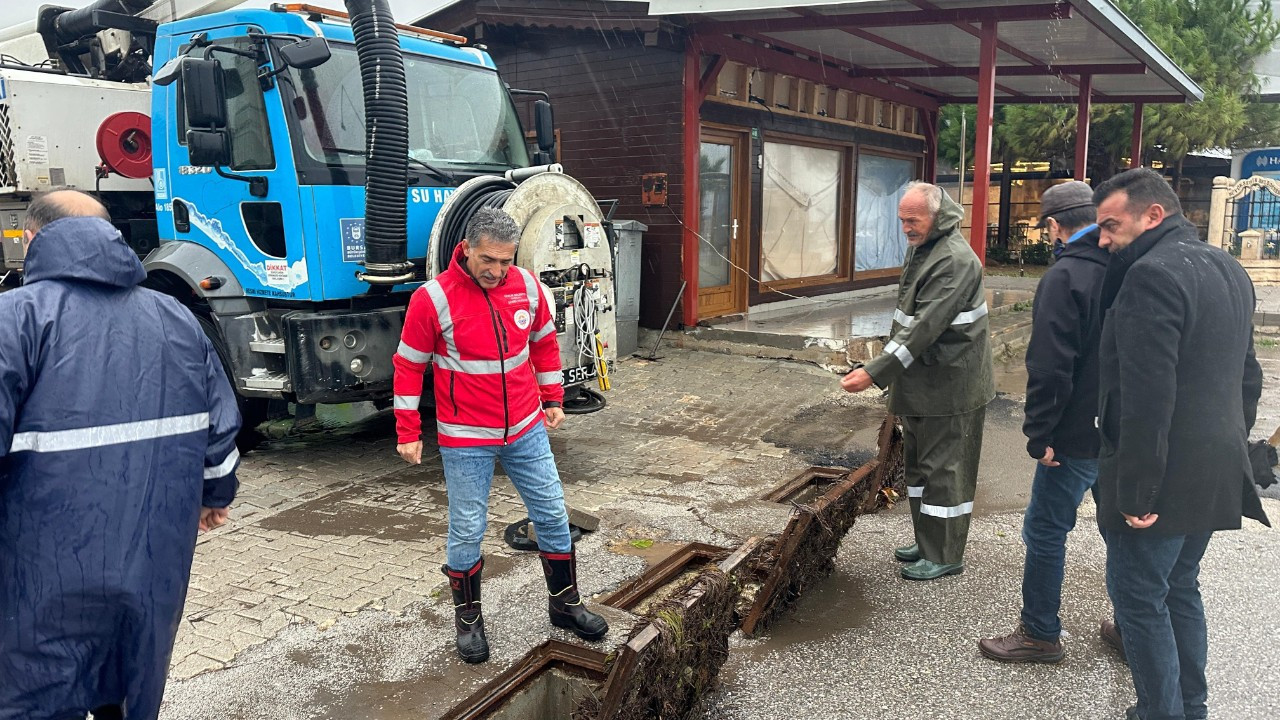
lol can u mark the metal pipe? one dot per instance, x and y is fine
(72, 25)
(653, 355)
(522, 174)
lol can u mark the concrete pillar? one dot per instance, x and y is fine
(1251, 245)
(1218, 212)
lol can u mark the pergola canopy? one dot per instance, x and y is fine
(1043, 48)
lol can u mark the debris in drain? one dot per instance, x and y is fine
(805, 550)
(688, 557)
(669, 663)
(690, 602)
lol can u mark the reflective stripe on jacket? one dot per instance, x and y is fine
(937, 360)
(494, 357)
(116, 425)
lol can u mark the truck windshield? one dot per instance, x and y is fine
(459, 115)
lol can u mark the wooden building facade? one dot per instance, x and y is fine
(766, 145)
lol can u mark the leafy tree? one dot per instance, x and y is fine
(1215, 41)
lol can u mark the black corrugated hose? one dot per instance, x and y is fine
(386, 112)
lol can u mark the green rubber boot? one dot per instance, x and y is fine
(907, 553)
(928, 570)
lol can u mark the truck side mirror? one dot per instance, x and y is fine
(306, 53)
(208, 148)
(203, 95)
(545, 126)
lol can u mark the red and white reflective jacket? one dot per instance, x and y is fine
(494, 357)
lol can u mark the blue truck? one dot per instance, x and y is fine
(293, 174)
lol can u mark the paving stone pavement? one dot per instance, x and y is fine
(320, 598)
(331, 524)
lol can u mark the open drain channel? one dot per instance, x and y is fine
(689, 604)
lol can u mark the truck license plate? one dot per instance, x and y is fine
(573, 376)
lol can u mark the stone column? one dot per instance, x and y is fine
(1218, 212)
(1251, 245)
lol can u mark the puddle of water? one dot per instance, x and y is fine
(830, 434)
(428, 694)
(833, 605)
(348, 512)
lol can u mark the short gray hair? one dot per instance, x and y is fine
(932, 195)
(493, 225)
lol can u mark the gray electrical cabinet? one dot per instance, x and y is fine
(626, 283)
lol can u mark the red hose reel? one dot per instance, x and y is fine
(124, 144)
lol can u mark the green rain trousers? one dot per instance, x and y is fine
(942, 476)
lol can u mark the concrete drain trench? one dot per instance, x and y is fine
(689, 603)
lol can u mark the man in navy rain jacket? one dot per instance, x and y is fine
(117, 441)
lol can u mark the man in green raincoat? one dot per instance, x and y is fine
(937, 367)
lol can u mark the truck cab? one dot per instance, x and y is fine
(273, 258)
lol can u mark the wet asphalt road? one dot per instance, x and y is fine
(871, 645)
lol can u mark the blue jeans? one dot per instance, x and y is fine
(1154, 584)
(468, 474)
(1056, 493)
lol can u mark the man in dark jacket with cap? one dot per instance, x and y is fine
(117, 441)
(1062, 402)
(937, 367)
(1178, 388)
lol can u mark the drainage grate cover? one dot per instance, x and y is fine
(546, 683)
(668, 664)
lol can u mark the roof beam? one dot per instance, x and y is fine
(842, 66)
(1153, 99)
(896, 47)
(1003, 47)
(1042, 12)
(812, 70)
(1013, 70)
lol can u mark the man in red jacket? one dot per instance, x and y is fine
(488, 331)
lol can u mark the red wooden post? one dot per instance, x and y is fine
(1135, 150)
(982, 146)
(930, 118)
(1083, 107)
(691, 140)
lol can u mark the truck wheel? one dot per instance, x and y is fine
(253, 411)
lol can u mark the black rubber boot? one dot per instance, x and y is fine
(563, 602)
(473, 646)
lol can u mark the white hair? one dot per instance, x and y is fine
(932, 196)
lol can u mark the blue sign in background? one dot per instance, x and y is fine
(1251, 213)
(1261, 162)
(352, 239)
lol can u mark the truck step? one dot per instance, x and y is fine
(267, 381)
(275, 347)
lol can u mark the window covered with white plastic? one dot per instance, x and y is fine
(800, 221)
(878, 240)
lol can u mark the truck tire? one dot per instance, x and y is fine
(253, 411)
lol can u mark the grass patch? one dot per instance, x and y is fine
(1267, 342)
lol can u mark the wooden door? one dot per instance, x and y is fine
(723, 183)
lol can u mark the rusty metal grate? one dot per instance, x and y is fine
(687, 556)
(814, 480)
(550, 655)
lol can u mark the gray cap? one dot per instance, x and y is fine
(1067, 196)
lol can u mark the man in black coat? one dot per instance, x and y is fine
(1178, 389)
(1062, 402)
